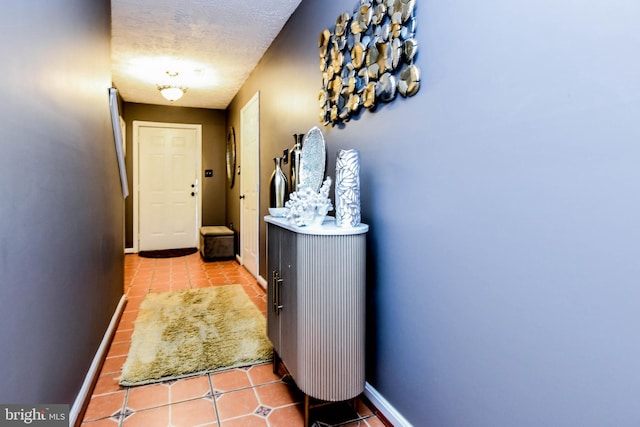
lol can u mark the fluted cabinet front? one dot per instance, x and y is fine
(316, 306)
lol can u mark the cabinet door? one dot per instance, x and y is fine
(289, 301)
(274, 235)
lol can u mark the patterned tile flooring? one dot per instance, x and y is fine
(249, 397)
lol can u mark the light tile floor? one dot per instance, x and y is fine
(247, 397)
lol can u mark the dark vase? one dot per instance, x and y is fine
(294, 164)
(278, 186)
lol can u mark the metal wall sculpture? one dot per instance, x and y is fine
(368, 58)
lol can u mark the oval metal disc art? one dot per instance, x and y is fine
(409, 82)
(369, 96)
(379, 13)
(357, 55)
(410, 49)
(387, 88)
(341, 24)
(322, 98)
(367, 58)
(323, 41)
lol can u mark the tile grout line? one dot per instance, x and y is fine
(123, 410)
(213, 397)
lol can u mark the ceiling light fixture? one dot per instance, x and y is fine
(170, 89)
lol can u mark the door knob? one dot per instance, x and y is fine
(193, 194)
(242, 196)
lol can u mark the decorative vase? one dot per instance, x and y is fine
(294, 166)
(348, 188)
(278, 186)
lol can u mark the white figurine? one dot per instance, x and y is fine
(306, 207)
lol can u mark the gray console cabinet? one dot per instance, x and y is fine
(316, 305)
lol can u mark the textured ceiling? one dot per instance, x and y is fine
(213, 45)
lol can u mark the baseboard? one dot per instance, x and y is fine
(129, 251)
(80, 404)
(387, 410)
(262, 282)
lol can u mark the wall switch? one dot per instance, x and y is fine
(208, 173)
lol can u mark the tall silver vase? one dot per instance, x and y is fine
(278, 186)
(348, 188)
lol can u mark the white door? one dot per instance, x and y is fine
(249, 184)
(168, 165)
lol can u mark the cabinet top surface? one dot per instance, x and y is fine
(327, 228)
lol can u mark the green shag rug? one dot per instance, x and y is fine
(186, 333)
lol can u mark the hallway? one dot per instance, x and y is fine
(250, 396)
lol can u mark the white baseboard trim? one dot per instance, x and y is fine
(389, 412)
(260, 279)
(129, 251)
(262, 282)
(83, 395)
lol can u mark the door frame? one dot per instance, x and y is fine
(137, 124)
(255, 99)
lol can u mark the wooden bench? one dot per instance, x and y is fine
(216, 243)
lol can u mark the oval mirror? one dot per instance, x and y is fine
(231, 156)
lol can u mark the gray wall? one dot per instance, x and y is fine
(503, 205)
(61, 219)
(213, 155)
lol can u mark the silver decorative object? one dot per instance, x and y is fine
(278, 186)
(313, 159)
(348, 188)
